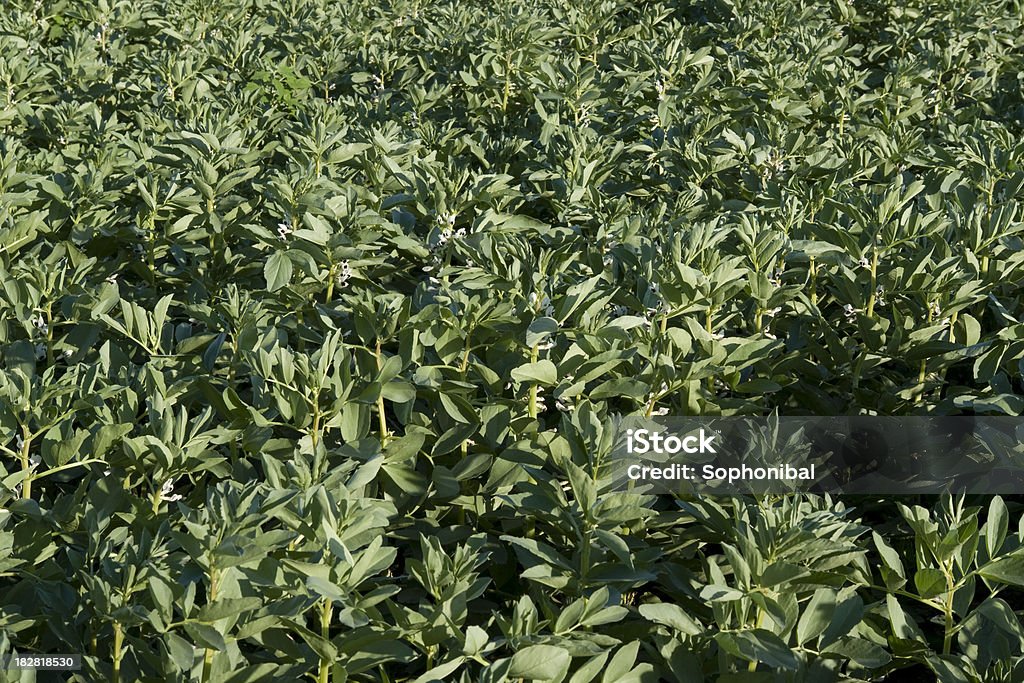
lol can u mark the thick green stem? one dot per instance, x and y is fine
(708, 326)
(325, 633)
(922, 372)
(874, 283)
(381, 420)
(947, 639)
(26, 464)
(49, 335)
(508, 87)
(585, 558)
(118, 646)
(315, 435)
(211, 597)
(534, 355)
(814, 282)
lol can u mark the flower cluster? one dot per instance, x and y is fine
(283, 230)
(661, 87)
(39, 322)
(617, 311)
(343, 275)
(167, 492)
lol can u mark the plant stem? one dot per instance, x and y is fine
(814, 282)
(381, 421)
(26, 465)
(49, 334)
(325, 633)
(315, 436)
(923, 368)
(947, 639)
(585, 557)
(118, 645)
(874, 281)
(708, 327)
(508, 86)
(211, 597)
(534, 355)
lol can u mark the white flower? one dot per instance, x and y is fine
(934, 309)
(283, 230)
(40, 350)
(660, 86)
(659, 411)
(167, 490)
(850, 312)
(863, 262)
(879, 296)
(34, 461)
(19, 442)
(540, 402)
(112, 278)
(768, 333)
(343, 275)
(772, 312)
(718, 336)
(618, 311)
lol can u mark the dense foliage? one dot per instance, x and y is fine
(315, 317)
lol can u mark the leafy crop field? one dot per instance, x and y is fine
(315, 318)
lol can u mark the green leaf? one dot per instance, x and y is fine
(758, 645)
(672, 616)
(542, 372)
(539, 330)
(539, 663)
(859, 650)
(930, 582)
(277, 271)
(1008, 569)
(996, 526)
(621, 663)
(816, 616)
